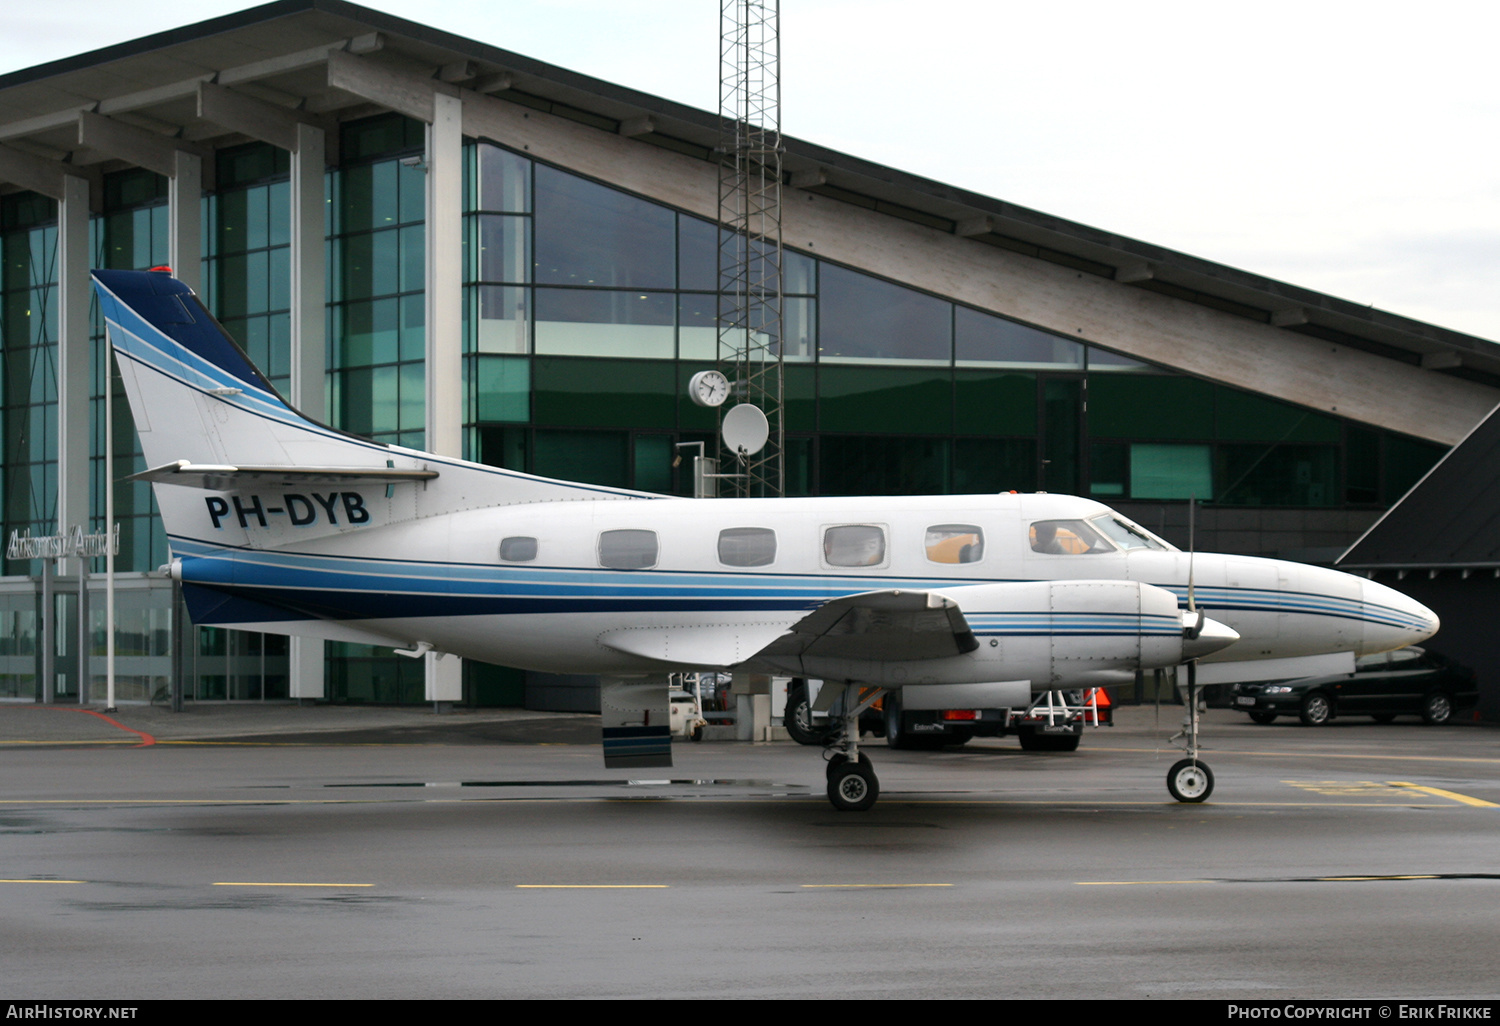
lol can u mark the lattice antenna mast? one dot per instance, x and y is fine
(749, 308)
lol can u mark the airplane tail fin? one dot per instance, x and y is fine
(209, 420)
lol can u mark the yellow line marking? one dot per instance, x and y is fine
(878, 885)
(592, 887)
(42, 881)
(1290, 753)
(1130, 883)
(263, 883)
(1440, 793)
(1346, 788)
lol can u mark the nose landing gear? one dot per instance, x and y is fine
(1190, 779)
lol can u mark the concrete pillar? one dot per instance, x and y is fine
(185, 219)
(309, 273)
(445, 406)
(309, 213)
(73, 364)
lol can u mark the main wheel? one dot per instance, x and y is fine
(1262, 716)
(798, 718)
(1190, 781)
(1437, 708)
(853, 787)
(1316, 709)
(1033, 740)
(895, 737)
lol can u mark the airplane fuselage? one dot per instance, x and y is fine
(557, 585)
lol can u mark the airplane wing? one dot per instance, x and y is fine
(881, 625)
(884, 625)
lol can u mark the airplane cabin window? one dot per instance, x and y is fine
(627, 549)
(747, 546)
(854, 545)
(955, 543)
(1068, 538)
(518, 549)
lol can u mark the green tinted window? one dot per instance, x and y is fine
(1277, 475)
(1406, 460)
(991, 465)
(366, 333)
(885, 399)
(800, 398)
(614, 393)
(385, 133)
(591, 457)
(1150, 406)
(653, 463)
(874, 465)
(1246, 417)
(994, 402)
(1171, 472)
(1062, 406)
(1107, 469)
(1361, 464)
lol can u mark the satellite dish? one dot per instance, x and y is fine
(745, 429)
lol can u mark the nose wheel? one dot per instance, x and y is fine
(1190, 781)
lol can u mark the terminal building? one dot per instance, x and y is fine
(436, 242)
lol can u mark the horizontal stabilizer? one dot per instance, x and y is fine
(216, 478)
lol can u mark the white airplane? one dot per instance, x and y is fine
(280, 524)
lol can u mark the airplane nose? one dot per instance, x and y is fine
(1393, 620)
(1208, 639)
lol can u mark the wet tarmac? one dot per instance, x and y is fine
(359, 852)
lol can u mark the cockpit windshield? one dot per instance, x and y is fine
(1125, 534)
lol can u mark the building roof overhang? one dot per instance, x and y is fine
(278, 53)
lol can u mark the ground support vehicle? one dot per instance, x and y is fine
(1052, 722)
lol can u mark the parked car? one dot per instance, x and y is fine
(1409, 681)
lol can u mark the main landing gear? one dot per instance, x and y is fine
(852, 784)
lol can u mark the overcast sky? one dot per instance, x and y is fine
(1352, 148)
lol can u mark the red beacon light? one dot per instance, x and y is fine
(162, 269)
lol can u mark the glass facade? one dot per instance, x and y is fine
(28, 367)
(377, 276)
(586, 311)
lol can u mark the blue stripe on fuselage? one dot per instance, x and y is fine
(346, 587)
